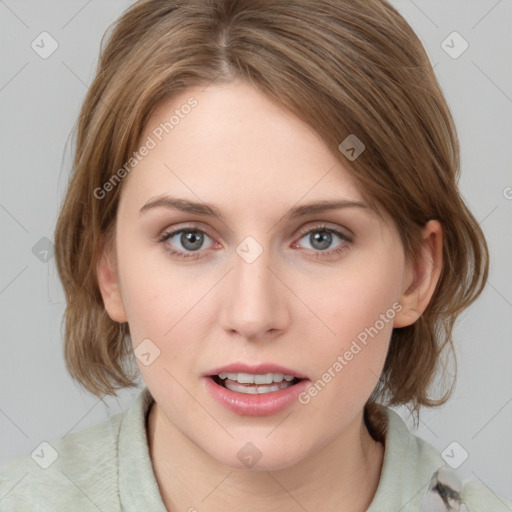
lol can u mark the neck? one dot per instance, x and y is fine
(342, 476)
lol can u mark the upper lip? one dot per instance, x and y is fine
(256, 369)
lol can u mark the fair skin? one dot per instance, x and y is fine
(292, 305)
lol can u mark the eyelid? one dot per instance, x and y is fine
(191, 225)
(345, 232)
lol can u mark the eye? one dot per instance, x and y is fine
(321, 238)
(190, 238)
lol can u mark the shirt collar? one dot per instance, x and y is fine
(138, 487)
(408, 466)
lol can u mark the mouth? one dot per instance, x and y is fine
(255, 384)
(249, 389)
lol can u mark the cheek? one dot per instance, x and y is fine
(162, 302)
(150, 291)
(165, 314)
(356, 294)
(357, 306)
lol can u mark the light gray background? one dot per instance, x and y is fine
(40, 101)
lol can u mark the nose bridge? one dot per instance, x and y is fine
(254, 305)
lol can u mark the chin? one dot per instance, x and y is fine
(256, 456)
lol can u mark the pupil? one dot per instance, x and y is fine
(324, 239)
(192, 237)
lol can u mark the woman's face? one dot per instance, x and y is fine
(256, 289)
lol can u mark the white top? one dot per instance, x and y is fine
(107, 467)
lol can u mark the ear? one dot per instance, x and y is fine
(421, 278)
(106, 271)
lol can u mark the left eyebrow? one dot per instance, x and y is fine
(322, 206)
(185, 205)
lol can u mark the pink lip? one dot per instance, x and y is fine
(255, 405)
(261, 368)
(265, 404)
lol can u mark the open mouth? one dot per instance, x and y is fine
(254, 384)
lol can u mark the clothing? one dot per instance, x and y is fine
(107, 467)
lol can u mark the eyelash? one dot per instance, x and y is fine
(323, 254)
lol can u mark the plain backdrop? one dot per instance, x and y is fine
(40, 100)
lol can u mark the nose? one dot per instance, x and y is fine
(255, 305)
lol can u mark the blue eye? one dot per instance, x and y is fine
(192, 240)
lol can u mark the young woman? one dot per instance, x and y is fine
(264, 216)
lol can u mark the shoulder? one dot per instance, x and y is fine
(477, 497)
(416, 478)
(448, 491)
(67, 473)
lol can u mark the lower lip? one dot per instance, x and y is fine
(265, 404)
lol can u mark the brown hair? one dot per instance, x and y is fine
(342, 66)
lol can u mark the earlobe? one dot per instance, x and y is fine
(109, 288)
(421, 279)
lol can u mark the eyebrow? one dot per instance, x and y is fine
(185, 205)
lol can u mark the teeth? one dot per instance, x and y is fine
(268, 378)
(249, 378)
(255, 390)
(256, 384)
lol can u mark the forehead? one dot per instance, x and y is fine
(236, 147)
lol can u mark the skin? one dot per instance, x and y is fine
(255, 161)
